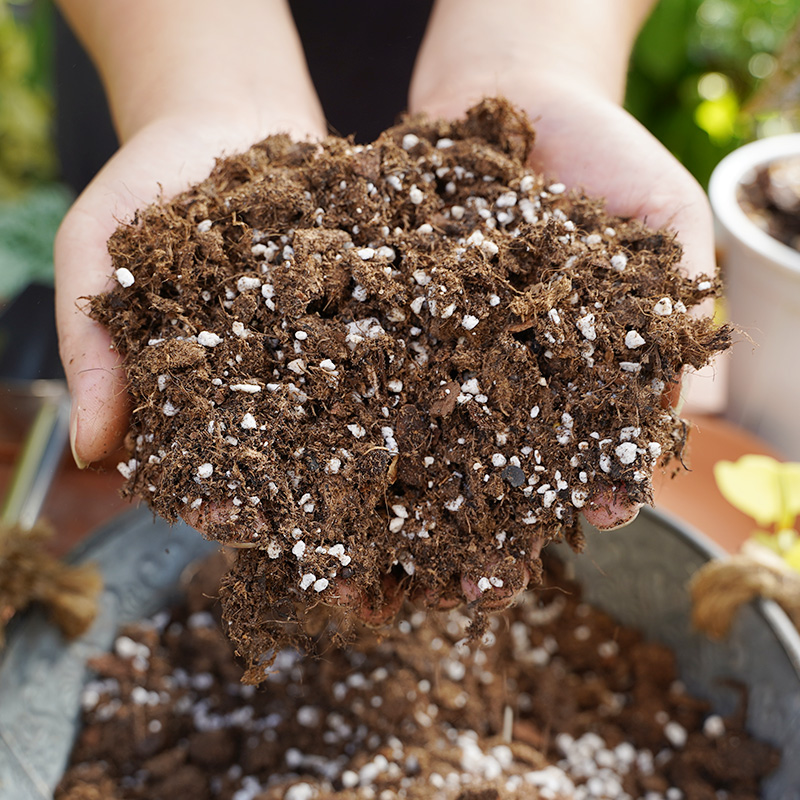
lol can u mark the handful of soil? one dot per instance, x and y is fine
(414, 359)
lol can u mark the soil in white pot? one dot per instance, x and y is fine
(771, 199)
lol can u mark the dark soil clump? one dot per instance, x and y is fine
(562, 703)
(399, 367)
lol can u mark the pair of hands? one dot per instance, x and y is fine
(584, 139)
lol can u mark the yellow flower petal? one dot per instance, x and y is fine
(751, 484)
(790, 489)
(767, 540)
(792, 557)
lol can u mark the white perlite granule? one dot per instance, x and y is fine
(619, 262)
(124, 277)
(663, 307)
(585, 325)
(208, 339)
(633, 339)
(626, 452)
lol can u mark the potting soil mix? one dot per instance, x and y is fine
(560, 703)
(388, 371)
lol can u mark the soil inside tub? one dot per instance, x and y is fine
(416, 359)
(561, 702)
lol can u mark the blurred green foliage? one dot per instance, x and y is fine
(28, 225)
(26, 149)
(697, 65)
(31, 203)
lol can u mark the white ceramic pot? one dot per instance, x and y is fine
(762, 277)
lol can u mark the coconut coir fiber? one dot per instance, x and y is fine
(399, 367)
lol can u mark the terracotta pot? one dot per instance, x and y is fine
(762, 277)
(638, 574)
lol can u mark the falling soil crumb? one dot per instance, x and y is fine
(561, 704)
(398, 368)
(771, 198)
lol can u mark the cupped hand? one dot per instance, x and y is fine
(588, 142)
(158, 161)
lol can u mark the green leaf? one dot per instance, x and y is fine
(661, 46)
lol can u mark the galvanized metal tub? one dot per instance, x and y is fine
(639, 574)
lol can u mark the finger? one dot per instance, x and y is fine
(442, 598)
(221, 522)
(610, 508)
(502, 581)
(93, 369)
(214, 521)
(672, 394)
(371, 613)
(495, 596)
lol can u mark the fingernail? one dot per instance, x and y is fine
(621, 523)
(73, 435)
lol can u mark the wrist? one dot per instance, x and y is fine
(238, 114)
(531, 46)
(196, 58)
(539, 93)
